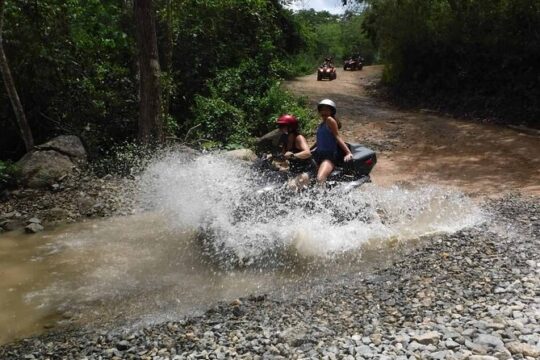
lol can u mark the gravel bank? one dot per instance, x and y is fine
(470, 295)
(77, 196)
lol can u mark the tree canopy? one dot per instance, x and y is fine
(76, 69)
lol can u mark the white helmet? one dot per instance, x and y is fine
(327, 102)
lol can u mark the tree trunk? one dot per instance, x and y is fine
(22, 123)
(150, 123)
(168, 54)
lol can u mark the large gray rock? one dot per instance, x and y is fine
(40, 169)
(269, 142)
(241, 154)
(50, 161)
(69, 145)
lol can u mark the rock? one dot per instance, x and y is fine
(238, 311)
(52, 161)
(376, 339)
(123, 345)
(10, 225)
(270, 141)
(489, 341)
(414, 346)
(364, 351)
(34, 221)
(441, 355)
(40, 169)
(236, 302)
(523, 349)
(10, 215)
(57, 214)
(85, 205)
(295, 336)
(431, 337)
(33, 228)
(68, 145)
(241, 154)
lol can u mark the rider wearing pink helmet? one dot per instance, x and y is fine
(293, 144)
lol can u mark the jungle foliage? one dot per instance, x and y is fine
(75, 63)
(480, 57)
(75, 68)
(328, 35)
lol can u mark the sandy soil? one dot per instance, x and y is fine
(421, 147)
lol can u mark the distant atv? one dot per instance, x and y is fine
(326, 71)
(353, 64)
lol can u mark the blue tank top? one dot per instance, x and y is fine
(326, 141)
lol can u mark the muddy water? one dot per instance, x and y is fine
(125, 268)
(133, 268)
(199, 242)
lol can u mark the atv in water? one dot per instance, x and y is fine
(347, 174)
(272, 201)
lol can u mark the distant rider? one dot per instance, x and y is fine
(328, 62)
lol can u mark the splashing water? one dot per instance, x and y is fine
(241, 224)
(150, 267)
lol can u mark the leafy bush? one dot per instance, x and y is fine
(244, 102)
(8, 171)
(125, 159)
(278, 101)
(218, 121)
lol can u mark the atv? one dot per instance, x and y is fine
(353, 64)
(347, 174)
(326, 71)
(271, 201)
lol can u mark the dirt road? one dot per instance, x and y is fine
(419, 147)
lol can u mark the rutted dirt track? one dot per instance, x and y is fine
(424, 148)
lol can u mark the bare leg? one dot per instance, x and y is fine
(325, 169)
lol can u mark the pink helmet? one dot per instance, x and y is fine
(288, 120)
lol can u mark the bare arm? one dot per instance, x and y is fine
(302, 144)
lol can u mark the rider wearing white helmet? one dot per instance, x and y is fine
(328, 141)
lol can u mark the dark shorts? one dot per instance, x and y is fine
(302, 166)
(320, 156)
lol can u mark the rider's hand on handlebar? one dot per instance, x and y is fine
(347, 157)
